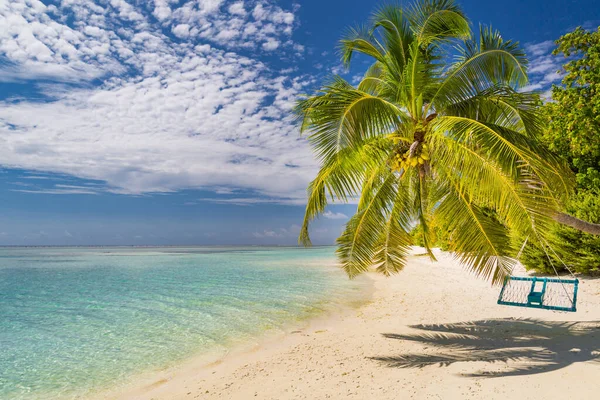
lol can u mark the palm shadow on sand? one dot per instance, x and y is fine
(532, 346)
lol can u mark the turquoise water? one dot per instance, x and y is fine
(73, 321)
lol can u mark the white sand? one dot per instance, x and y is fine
(495, 352)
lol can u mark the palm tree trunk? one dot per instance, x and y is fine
(577, 223)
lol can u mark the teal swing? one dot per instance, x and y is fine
(546, 293)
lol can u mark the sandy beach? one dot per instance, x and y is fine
(432, 332)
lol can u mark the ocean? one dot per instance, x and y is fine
(74, 321)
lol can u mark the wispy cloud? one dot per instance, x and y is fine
(543, 67)
(332, 215)
(61, 189)
(185, 99)
(57, 191)
(267, 234)
(250, 201)
(37, 177)
(280, 233)
(540, 48)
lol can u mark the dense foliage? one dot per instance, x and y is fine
(574, 133)
(438, 132)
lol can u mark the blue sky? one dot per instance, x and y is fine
(168, 121)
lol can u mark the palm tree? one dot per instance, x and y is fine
(437, 132)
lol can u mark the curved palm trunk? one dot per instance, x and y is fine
(577, 223)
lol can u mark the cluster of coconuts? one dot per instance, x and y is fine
(405, 160)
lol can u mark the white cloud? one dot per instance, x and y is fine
(224, 190)
(531, 87)
(108, 38)
(237, 9)
(332, 215)
(37, 177)
(235, 28)
(251, 201)
(182, 30)
(58, 191)
(299, 48)
(357, 78)
(266, 234)
(338, 69)
(290, 232)
(259, 13)
(162, 11)
(543, 66)
(93, 31)
(282, 17)
(539, 49)
(271, 44)
(185, 115)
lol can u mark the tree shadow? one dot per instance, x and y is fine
(532, 346)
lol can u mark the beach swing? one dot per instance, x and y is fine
(546, 293)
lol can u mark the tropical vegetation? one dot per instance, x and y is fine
(573, 132)
(438, 133)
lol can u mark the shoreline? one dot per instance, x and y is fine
(202, 366)
(205, 364)
(432, 331)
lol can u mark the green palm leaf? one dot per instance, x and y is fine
(342, 116)
(478, 240)
(340, 178)
(358, 244)
(438, 20)
(395, 240)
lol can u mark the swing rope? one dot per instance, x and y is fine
(560, 259)
(554, 268)
(522, 248)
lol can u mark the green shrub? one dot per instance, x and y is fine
(573, 132)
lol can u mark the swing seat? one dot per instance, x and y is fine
(545, 293)
(536, 298)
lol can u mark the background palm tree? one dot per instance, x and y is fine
(437, 132)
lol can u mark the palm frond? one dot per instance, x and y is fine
(478, 240)
(340, 179)
(438, 20)
(490, 63)
(394, 242)
(373, 82)
(510, 150)
(341, 116)
(358, 244)
(504, 106)
(360, 40)
(516, 199)
(395, 31)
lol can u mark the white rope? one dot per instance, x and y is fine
(560, 259)
(522, 248)
(554, 268)
(549, 259)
